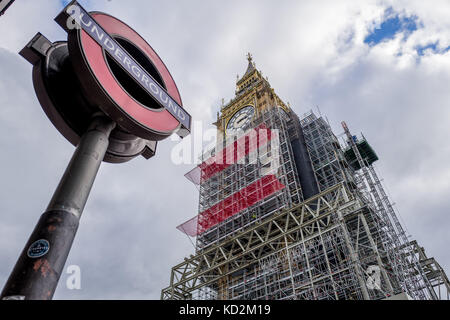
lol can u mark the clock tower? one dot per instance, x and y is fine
(253, 96)
(316, 226)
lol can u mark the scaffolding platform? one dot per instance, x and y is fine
(344, 243)
(366, 151)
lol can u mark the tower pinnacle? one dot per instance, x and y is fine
(249, 57)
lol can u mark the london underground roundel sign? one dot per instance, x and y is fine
(123, 75)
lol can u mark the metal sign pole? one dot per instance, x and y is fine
(80, 83)
(39, 267)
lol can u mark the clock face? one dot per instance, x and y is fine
(241, 119)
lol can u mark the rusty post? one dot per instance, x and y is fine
(39, 267)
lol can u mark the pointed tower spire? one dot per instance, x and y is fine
(251, 64)
(250, 74)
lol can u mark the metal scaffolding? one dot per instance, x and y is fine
(343, 243)
(260, 179)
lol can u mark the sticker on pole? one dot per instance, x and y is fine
(38, 249)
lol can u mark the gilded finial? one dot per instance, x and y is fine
(249, 57)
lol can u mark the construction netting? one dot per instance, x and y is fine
(244, 198)
(233, 153)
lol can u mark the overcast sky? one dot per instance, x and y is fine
(382, 66)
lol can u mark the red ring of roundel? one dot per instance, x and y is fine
(161, 121)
